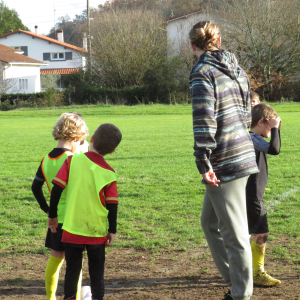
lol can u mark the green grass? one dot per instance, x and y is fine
(158, 183)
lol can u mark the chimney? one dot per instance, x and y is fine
(60, 35)
(84, 42)
(36, 29)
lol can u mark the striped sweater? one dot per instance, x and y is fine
(221, 116)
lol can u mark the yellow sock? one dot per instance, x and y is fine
(51, 276)
(79, 286)
(258, 257)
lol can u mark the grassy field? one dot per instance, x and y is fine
(158, 183)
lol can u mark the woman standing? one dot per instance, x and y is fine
(224, 154)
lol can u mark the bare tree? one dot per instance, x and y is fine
(265, 34)
(127, 43)
(50, 81)
(6, 84)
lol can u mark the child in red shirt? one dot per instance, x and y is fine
(91, 200)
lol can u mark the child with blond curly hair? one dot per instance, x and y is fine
(70, 131)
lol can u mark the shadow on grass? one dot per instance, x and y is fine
(21, 286)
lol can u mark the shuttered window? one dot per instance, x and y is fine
(58, 56)
(23, 84)
(22, 48)
(46, 56)
(25, 50)
(69, 55)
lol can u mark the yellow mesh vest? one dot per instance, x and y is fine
(85, 215)
(50, 167)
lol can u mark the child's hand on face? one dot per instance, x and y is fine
(274, 123)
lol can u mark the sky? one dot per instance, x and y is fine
(41, 12)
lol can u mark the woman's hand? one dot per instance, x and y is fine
(210, 178)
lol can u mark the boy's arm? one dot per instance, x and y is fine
(111, 204)
(55, 196)
(260, 144)
(37, 190)
(275, 142)
(112, 217)
(112, 223)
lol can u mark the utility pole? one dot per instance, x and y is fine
(89, 36)
(54, 22)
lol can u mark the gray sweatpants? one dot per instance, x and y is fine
(224, 222)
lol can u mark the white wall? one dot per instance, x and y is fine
(178, 31)
(36, 48)
(31, 73)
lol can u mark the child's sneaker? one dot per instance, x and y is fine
(263, 279)
(228, 296)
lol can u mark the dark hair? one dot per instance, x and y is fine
(204, 35)
(106, 138)
(262, 112)
(254, 95)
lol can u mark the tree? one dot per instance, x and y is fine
(50, 81)
(9, 20)
(7, 85)
(265, 35)
(168, 8)
(129, 4)
(127, 43)
(178, 7)
(73, 29)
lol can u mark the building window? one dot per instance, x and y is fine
(23, 84)
(22, 48)
(58, 56)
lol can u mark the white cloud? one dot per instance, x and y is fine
(41, 12)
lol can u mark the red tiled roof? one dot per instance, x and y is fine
(45, 38)
(58, 71)
(11, 55)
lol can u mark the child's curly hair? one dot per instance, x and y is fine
(70, 126)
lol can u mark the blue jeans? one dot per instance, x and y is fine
(224, 222)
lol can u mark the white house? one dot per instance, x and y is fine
(178, 28)
(19, 73)
(61, 58)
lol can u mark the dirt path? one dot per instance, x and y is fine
(132, 274)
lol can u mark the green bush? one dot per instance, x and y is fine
(15, 98)
(165, 82)
(49, 98)
(92, 95)
(5, 105)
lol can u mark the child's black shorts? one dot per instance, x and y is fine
(257, 217)
(53, 240)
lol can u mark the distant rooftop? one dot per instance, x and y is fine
(45, 38)
(11, 55)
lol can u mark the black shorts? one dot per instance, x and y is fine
(53, 240)
(257, 217)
